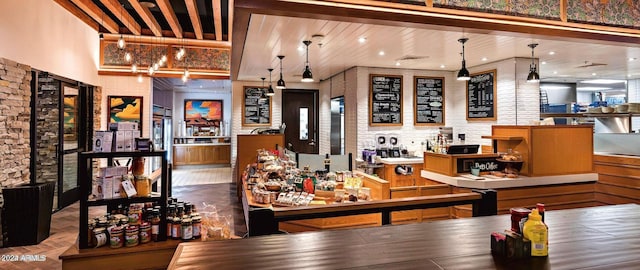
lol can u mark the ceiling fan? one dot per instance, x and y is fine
(590, 64)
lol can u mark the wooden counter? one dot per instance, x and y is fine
(604, 237)
(619, 179)
(200, 154)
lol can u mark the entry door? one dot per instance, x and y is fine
(300, 114)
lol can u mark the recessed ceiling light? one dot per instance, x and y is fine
(544, 62)
(362, 40)
(602, 81)
(484, 59)
(555, 72)
(300, 48)
(594, 74)
(632, 59)
(397, 63)
(381, 53)
(441, 66)
(552, 53)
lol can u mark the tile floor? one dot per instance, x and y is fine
(196, 185)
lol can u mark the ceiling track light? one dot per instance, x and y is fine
(307, 76)
(270, 91)
(463, 74)
(281, 84)
(533, 70)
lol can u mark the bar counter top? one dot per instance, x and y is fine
(521, 181)
(402, 160)
(603, 237)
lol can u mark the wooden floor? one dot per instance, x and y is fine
(64, 224)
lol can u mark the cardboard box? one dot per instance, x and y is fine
(123, 126)
(120, 140)
(103, 141)
(129, 142)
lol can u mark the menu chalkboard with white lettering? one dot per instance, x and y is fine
(428, 101)
(385, 100)
(481, 93)
(256, 108)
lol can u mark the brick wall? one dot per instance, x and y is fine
(15, 95)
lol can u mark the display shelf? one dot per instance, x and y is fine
(153, 198)
(85, 178)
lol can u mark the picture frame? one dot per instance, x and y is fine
(125, 109)
(428, 101)
(203, 112)
(385, 100)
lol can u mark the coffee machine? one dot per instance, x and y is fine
(382, 147)
(394, 147)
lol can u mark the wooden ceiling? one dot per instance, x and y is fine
(200, 20)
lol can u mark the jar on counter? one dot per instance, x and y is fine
(176, 228)
(99, 237)
(196, 222)
(145, 232)
(143, 186)
(131, 237)
(155, 225)
(187, 229)
(116, 239)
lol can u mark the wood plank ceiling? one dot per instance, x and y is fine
(190, 19)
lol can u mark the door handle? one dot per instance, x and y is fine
(312, 142)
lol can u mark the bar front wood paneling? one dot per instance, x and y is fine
(603, 237)
(618, 179)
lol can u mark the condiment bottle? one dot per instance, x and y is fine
(187, 229)
(197, 227)
(155, 225)
(536, 231)
(540, 207)
(176, 229)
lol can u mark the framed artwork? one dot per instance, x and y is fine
(202, 113)
(125, 109)
(256, 108)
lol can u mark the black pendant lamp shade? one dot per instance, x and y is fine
(270, 91)
(280, 84)
(463, 74)
(307, 76)
(263, 94)
(533, 70)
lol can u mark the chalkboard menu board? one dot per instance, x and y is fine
(256, 111)
(428, 101)
(481, 93)
(385, 100)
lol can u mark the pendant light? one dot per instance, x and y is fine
(463, 74)
(533, 70)
(280, 84)
(263, 96)
(270, 91)
(306, 74)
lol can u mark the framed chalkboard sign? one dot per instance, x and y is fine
(428, 101)
(481, 96)
(385, 100)
(256, 109)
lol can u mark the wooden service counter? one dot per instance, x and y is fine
(557, 168)
(604, 237)
(618, 178)
(379, 190)
(201, 150)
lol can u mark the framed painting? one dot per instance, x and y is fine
(125, 109)
(202, 113)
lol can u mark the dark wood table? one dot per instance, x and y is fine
(604, 237)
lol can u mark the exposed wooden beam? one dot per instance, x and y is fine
(217, 18)
(116, 8)
(170, 16)
(78, 13)
(147, 17)
(94, 12)
(195, 17)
